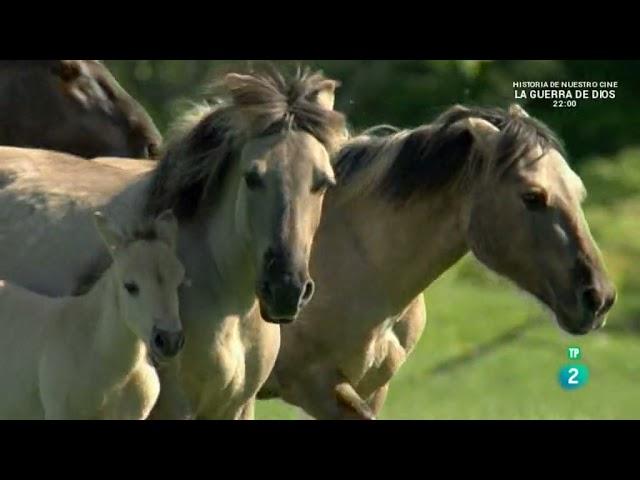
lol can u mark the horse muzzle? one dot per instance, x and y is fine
(281, 301)
(166, 344)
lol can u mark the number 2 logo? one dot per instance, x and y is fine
(572, 377)
(573, 372)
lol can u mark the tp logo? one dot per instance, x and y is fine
(575, 375)
(574, 353)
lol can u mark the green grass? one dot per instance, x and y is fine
(468, 307)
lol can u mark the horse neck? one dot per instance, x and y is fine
(404, 247)
(231, 273)
(113, 342)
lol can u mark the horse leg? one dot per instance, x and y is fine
(248, 411)
(411, 324)
(377, 399)
(172, 403)
(407, 331)
(329, 397)
(302, 415)
(52, 413)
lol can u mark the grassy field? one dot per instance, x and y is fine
(490, 352)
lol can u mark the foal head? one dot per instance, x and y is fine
(526, 221)
(147, 276)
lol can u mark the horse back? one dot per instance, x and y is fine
(47, 200)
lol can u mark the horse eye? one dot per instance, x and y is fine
(319, 187)
(132, 288)
(535, 200)
(322, 185)
(253, 180)
(153, 150)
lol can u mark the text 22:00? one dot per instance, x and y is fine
(564, 103)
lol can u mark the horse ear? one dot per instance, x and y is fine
(485, 134)
(111, 236)
(235, 84)
(517, 111)
(235, 80)
(68, 70)
(325, 94)
(167, 227)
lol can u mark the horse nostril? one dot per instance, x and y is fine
(269, 258)
(592, 300)
(180, 341)
(167, 344)
(159, 341)
(152, 150)
(609, 301)
(266, 290)
(307, 291)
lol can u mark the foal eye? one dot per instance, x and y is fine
(535, 200)
(132, 288)
(253, 180)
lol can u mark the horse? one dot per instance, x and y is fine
(87, 356)
(246, 179)
(72, 106)
(410, 204)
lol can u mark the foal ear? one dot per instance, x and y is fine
(167, 227)
(111, 235)
(325, 94)
(485, 134)
(517, 111)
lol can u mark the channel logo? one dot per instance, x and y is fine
(574, 375)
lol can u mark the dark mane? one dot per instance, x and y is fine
(437, 155)
(244, 107)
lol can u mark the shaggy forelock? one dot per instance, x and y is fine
(244, 106)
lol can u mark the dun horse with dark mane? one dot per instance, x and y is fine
(408, 205)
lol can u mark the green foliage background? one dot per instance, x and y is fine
(487, 352)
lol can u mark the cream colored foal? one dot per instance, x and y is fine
(89, 356)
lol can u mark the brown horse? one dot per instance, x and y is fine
(72, 106)
(407, 207)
